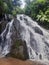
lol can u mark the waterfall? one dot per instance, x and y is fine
(5, 40)
(36, 37)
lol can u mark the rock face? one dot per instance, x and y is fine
(4, 20)
(16, 47)
(2, 25)
(23, 37)
(19, 50)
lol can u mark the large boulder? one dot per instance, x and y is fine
(19, 50)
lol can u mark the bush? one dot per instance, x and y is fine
(17, 10)
(38, 10)
(8, 7)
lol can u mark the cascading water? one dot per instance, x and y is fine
(5, 42)
(36, 38)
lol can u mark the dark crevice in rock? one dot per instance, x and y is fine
(37, 30)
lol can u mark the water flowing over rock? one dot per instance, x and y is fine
(25, 29)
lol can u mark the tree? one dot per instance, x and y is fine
(1, 7)
(39, 11)
(6, 6)
(27, 2)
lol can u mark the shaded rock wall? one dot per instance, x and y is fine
(2, 25)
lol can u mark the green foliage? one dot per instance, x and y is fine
(17, 10)
(43, 16)
(41, 1)
(1, 7)
(38, 10)
(10, 7)
(5, 7)
(18, 43)
(1, 2)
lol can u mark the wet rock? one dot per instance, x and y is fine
(25, 39)
(2, 25)
(38, 30)
(19, 50)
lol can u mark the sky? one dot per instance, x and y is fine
(23, 4)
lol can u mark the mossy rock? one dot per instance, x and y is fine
(19, 50)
